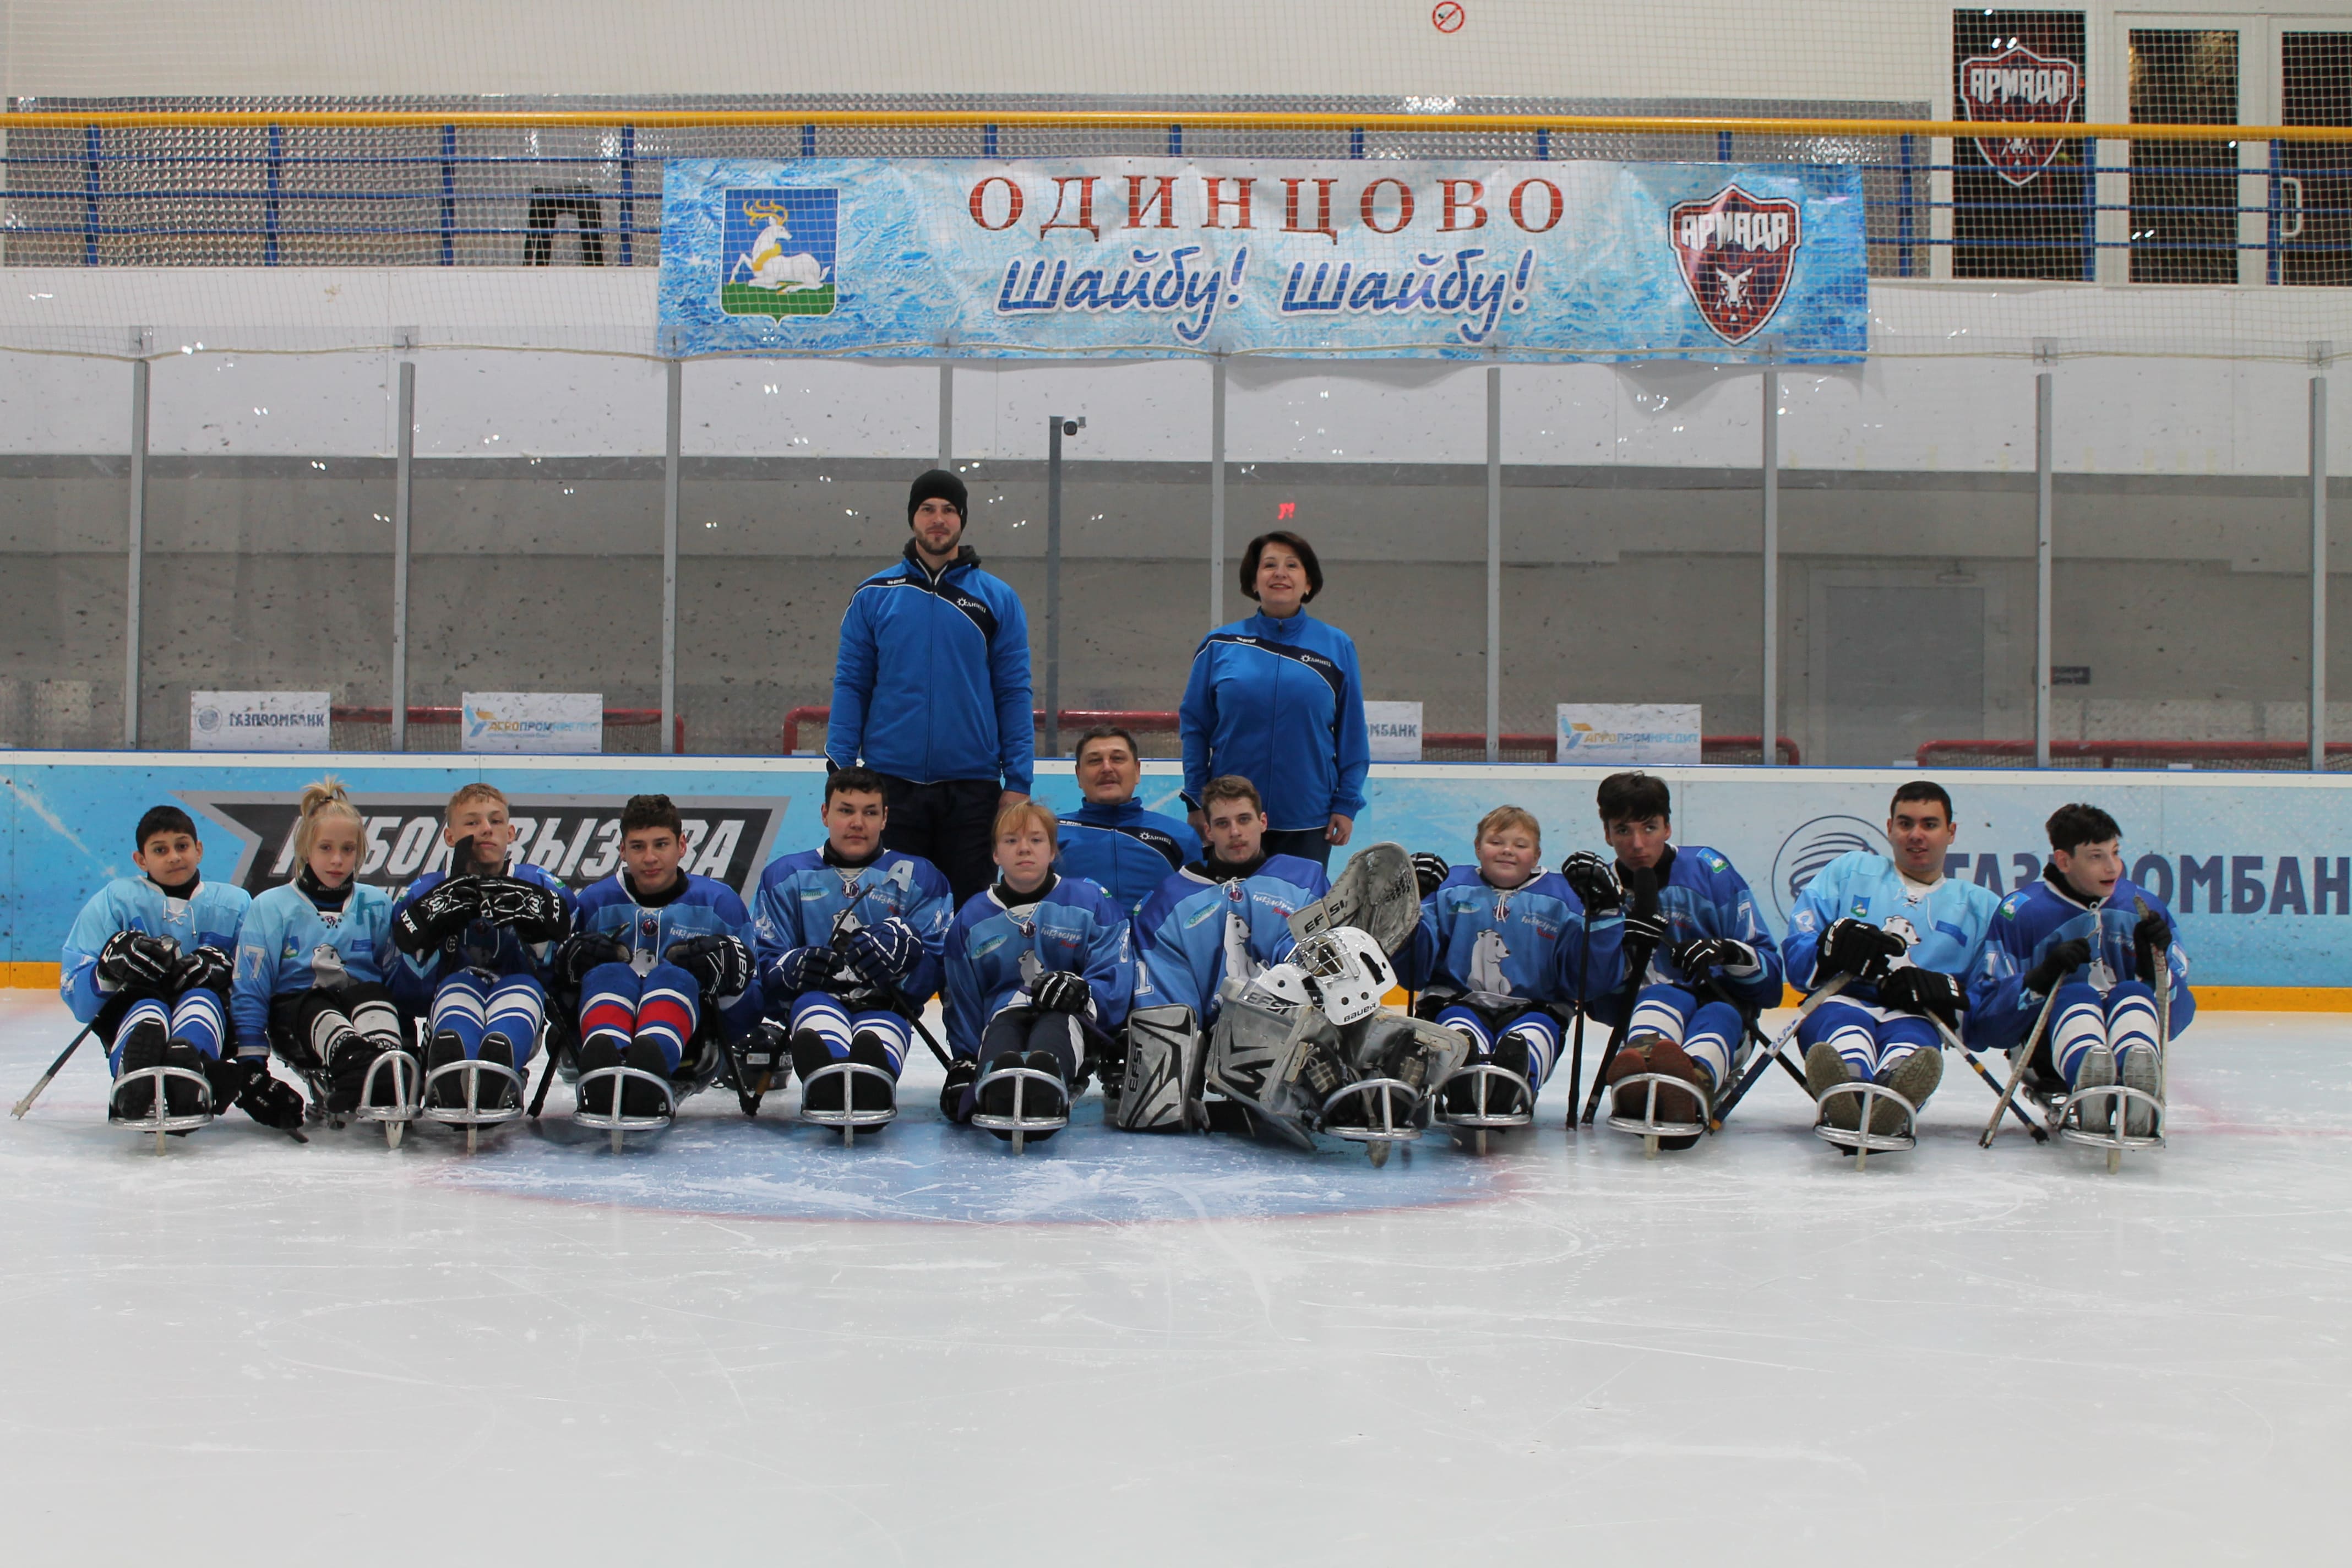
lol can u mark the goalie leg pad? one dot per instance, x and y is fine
(1160, 1087)
(1258, 1050)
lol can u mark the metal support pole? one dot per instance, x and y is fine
(1494, 563)
(947, 414)
(404, 459)
(672, 439)
(2319, 573)
(2043, 457)
(1217, 492)
(1054, 585)
(1770, 461)
(136, 552)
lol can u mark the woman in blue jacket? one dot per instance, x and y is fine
(1277, 699)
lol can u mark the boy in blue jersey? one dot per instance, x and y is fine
(1110, 839)
(2098, 940)
(1902, 934)
(1039, 974)
(930, 689)
(147, 965)
(1710, 959)
(475, 943)
(848, 938)
(1504, 951)
(660, 961)
(1225, 914)
(310, 961)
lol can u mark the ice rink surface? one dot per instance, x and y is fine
(740, 1342)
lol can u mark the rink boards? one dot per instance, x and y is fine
(2258, 867)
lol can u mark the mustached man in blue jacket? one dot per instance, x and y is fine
(1277, 699)
(1110, 839)
(930, 689)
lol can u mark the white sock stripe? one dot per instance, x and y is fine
(1463, 1021)
(458, 1002)
(1656, 1018)
(146, 1010)
(376, 1018)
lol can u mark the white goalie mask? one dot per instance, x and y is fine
(1347, 974)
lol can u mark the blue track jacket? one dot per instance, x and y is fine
(1282, 704)
(1125, 851)
(932, 680)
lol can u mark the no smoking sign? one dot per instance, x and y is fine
(1448, 17)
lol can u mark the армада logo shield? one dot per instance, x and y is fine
(2014, 86)
(1736, 254)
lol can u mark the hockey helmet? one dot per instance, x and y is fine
(1346, 972)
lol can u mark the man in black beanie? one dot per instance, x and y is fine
(930, 689)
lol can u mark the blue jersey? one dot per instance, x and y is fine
(2034, 918)
(1944, 927)
(931, 680)
(1517, 947)
(482, 945)
(283, 932)
(701, 907)
(1701, 893)
(1196, 930)
(1125, 851)
(806, 900)
(209, 916)
(1282, 704)
(995, 955)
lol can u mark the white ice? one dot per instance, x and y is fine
(743, 1342)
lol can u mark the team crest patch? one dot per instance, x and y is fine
(779, 245)
(2018, 85)
(1737, 253)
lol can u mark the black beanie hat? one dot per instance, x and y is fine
(941, 485)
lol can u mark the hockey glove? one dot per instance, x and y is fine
(2151, 943)
(1911, 989)
(246, 1082)
(534, 913)
(804, 969)
(2059, 960)
(1595, 881)
(429, 918)
(885, 954)
(1429, 873)
(206, 969)
(135, 958)
(1708, 953)
(1857, 948)
(721, 964)
(1059, 991)
(962, 1073)
(1643, 922)
(583, 951)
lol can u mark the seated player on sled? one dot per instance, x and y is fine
(1039, 976)
(849, 937)
(2085, 944)
(147, 965)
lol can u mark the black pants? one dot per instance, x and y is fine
(303, 1024)
(951, 823)
(1306, 843)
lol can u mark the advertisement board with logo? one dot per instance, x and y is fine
(259, 721)
(1395, 731)
(565, 723)
(1155, 257)
(1627, 734)
(2257, 866)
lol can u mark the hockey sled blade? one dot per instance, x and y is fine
(1376, 894)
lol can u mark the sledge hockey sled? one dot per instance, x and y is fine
(847, 1117)
(1040, 1104)
(484, 1085)
(158, 1118)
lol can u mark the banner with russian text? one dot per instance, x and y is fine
(1155, 256)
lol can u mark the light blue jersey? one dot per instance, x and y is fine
(1503, 949)
(283, 929)
(210, 917)
(2041, 914)
(1944, 926)
(696, 906)
(995, 955)
(1197, 929)
(807, 898)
